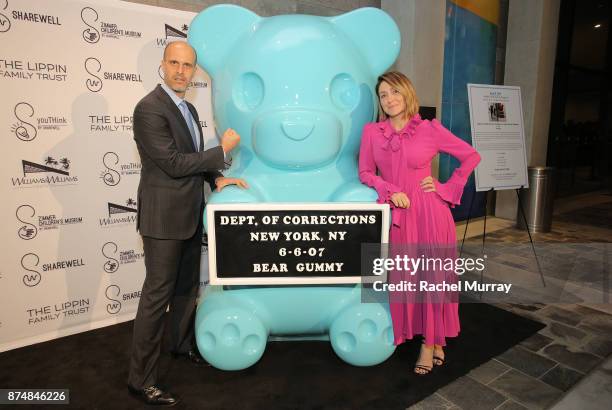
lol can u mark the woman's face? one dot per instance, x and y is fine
(391, 100)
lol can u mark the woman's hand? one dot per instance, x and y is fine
(222, 182)
(400, 200)
(428, 184)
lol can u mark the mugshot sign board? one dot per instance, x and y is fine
(498, 133)
(286, 244)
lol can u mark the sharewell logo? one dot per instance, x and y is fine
(29, 261)
(90, 34)
(93, 67)
(114, 307)
(5, 23)
(57, 168)
(120, 214)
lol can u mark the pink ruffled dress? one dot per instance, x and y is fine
(403, 158)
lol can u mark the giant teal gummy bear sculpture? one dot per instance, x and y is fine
(298, 89)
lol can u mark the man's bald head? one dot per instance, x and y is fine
(181, 45)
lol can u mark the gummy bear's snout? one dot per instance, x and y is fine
(297, 129)
(297, 138)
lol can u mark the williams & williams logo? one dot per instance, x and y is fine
(52, 172)
(113, 171)
(94, 83)
(27, 131)
(119, 214)
(33, 70)
(172, 34)
(32, 224)
(95, 30)
(5, 23)
(89, 17)
(110, 123)
(60, 310)
(111, 252)
(30, 262)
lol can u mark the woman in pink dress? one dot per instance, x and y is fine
(401, 147)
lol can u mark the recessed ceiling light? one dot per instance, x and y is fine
(597, 25)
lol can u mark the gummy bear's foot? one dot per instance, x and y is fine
(362, 335)
(231, 338)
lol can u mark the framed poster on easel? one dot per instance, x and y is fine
(498, 134)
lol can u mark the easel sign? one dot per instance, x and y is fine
(498, 134)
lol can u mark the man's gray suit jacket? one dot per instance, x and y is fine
(170, 193)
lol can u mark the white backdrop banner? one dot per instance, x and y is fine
(71, 73)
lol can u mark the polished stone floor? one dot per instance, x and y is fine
(546, 369)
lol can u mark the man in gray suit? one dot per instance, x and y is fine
(170, 207)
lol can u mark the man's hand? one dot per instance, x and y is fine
(229, 140)
(400, 200)
(221, 182)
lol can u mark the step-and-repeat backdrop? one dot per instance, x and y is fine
(71, 73)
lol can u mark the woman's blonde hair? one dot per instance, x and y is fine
(402, 84)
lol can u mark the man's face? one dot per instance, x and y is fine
(179, 67)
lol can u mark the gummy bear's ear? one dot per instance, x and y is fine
(215, 30)
(375, 34)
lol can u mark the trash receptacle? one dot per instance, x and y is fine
(537, 200)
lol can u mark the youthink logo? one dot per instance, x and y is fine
(110, 176)
(112, 264)
(23, 129)
(93, 66)
(114, 307)
(5, 23)
(33, 278)
(90, 34)
(27, 231)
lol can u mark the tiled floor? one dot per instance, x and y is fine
(577, 338)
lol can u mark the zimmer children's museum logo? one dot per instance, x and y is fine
(119, 214)
(52, 172)
(111, 252)
(94, 30)
(27, 125)
(114, 169)
(31, 223)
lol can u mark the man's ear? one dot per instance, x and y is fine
(215, 31)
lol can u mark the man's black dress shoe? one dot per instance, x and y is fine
(193, 356)
(154, 395)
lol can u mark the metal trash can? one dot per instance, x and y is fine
(537, 200)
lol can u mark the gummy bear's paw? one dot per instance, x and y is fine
(362, 335)
(231, 338)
